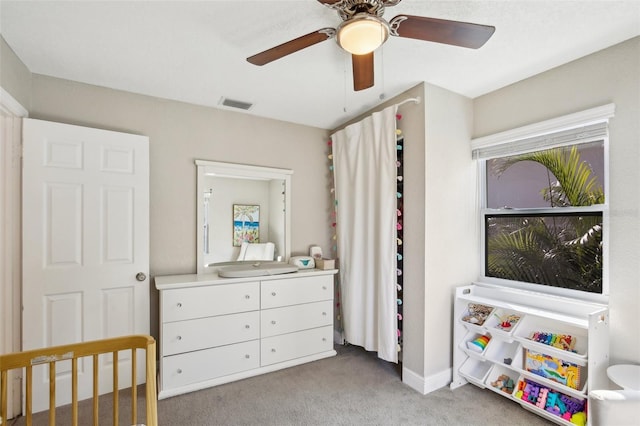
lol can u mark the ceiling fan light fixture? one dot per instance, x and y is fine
(362, 34)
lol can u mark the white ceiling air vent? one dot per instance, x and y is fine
(231, 103)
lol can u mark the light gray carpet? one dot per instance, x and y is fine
(353, 388)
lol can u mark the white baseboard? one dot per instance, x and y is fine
(428, 384)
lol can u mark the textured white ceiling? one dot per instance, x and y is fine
(195, 51)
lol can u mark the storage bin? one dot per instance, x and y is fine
(503, 351)
(549, 400)
(531, 327)
(475, 344)
(555, 369)
(475, 371)
(502, 380)
(475, 315)
(503, 322)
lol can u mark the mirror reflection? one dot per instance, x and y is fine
(243, 213)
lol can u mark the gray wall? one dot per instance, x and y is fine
(451, 218)
(611, 75)
(15, 78)
(439, 226)
(180, 133)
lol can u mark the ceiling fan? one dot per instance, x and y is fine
(363, 29)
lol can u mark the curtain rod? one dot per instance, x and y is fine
(414, 100)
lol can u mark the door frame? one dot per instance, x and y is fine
(11, 114)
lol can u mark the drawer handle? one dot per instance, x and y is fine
(324, 339)
(179, 371)
(273, 293)
(179, 337)
(273, 322)
(324, 287)
(247, 356)
(247, 326)
(324, 313)
(247, 297)
(273, 350)
(179, 305)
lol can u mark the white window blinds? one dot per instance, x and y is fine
(582, 127)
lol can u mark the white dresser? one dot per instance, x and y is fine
(216, 330)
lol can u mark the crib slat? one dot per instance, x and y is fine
(152, 403)
(29, 391)
(74, 391)
(134, 387)
(95, 390)
(115, 388)
(3, 392)
(52, 394)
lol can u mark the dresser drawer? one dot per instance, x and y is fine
(198, 302)
(193, 367)
(296, 345)
(295, 318)
(293, 291)
(202, 333)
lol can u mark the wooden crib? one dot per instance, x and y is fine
(73, 352)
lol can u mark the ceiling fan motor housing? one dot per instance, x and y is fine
(347, 9)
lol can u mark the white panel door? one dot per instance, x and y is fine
(85, 210)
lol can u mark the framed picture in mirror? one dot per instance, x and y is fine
(246, 224)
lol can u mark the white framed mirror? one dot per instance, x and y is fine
(259, 198)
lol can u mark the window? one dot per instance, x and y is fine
(543, 204)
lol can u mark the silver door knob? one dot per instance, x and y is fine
(140, 276)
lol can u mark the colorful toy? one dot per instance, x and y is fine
(542, 398)
(504, 383)
(477, 313)
(532, 392)
(579, 419)
(556, 403)
(479, 344)
(551, 400)
(507, 322)
(565, 342)
(552, 368)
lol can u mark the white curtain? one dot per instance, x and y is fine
(364, 161)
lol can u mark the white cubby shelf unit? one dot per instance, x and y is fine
(481, 363)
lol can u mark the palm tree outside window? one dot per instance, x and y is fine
(543, 217)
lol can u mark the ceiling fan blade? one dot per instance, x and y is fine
(362, 71)
(457, 33)
(291, 46)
